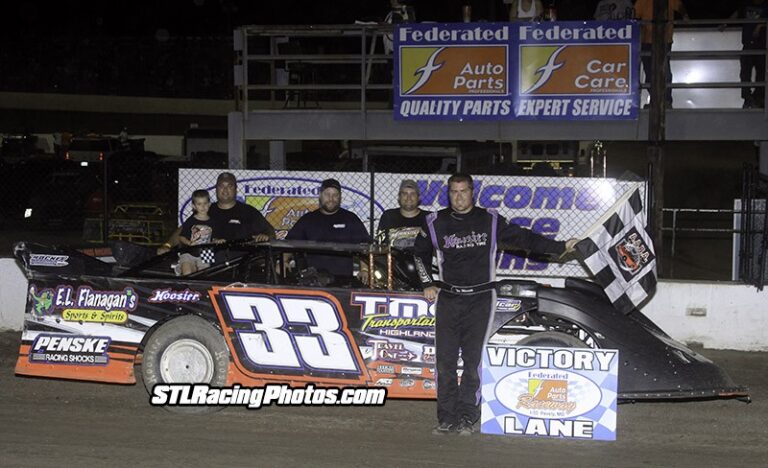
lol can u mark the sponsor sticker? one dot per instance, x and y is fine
(98, 316)
(631, 254)
(48, 260)
(87, 298)
(90, 305)
(407, 383)
(385, 369)
(411, 370)
(389, 351)
(173, 296)
(41, 300)
(508, 305)
(70, 350)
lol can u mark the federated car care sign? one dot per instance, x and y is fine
(501, 71)
(577, 70)
(549, 392)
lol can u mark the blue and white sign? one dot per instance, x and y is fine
(578, 70)
(549, 392)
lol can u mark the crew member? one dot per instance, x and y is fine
(231, 219)
(330, 223)
(400, 226)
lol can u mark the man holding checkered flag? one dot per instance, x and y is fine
(618, 250)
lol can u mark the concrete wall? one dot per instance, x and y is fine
(13, 288)
(716, 315)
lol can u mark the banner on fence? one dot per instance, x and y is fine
(586, 70)
(557, 207)
(549, 392)
(282, 196)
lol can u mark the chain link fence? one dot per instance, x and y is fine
(146, 197)
(556, 207)
(753, 241)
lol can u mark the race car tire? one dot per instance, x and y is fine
(187, 349)
(552, 339)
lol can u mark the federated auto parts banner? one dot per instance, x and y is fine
(557, 207)
(549, 392)
(505, 71)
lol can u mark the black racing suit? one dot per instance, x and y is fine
(465, 246)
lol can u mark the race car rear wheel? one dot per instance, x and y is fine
(187, 349)
(553, 339)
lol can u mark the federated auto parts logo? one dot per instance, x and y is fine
(283, 200)
(453, 70)
(548, 394)
(575, 69)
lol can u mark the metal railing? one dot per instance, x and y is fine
(367, 37)
(674, 229)
(261, 45)
(716, 55)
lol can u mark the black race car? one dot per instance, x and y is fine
(262, 314)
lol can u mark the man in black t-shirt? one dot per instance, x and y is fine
(330, 223)
(233, 219)
(400, 226)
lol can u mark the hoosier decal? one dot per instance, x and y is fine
(172, 296)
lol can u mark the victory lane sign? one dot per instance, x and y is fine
(549, 392)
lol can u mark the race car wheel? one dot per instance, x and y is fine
(187, 349)
(553, 339)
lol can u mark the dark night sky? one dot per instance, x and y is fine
(183, 17)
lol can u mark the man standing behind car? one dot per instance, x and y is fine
(465, 239)
(400, 226)
(330, 223)
(231, 219)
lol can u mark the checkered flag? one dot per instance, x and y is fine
(207, 255)
(619, 252)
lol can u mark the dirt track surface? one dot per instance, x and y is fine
(61, 423)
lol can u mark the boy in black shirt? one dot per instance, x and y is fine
(196, 230)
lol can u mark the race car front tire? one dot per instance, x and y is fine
(186, 350)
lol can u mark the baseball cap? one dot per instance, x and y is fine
(328, 183)
(226, 176)
(409, 183)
